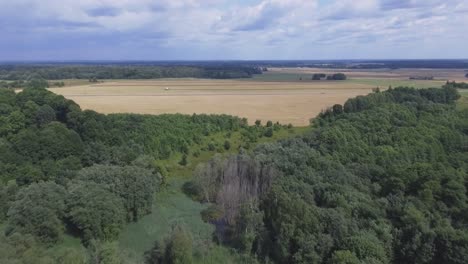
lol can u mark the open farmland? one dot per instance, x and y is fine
(286, 95)
(286, 102)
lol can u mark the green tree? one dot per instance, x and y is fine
(344, 257)
(37, 83)
(38, 210)
(268, 132)
(134, 185)
(179, 247)
(44, 115)
(96, 212)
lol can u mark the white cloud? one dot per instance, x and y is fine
(290, 27)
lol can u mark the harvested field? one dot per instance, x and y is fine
(291, 102)
(287, 95)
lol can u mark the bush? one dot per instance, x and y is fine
(193, 190)
(176, 249)
(227, 145)
(183, 161)
(211, 146)
(212, 214)
(268, 132)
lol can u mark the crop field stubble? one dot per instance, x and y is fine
(289, 102)
(286, 95)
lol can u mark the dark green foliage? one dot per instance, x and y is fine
(95, 211)
(211, 146)
(268, 132)
(383, 183)
(193, 190)
(454, 84)
(44, 115)
(39, 210)
(183, 161)
(318, 76)
(134, 185)
(269, 124)
(381, 180)
(227, 145)
(337, 77)
(35, 73)
(337, 109)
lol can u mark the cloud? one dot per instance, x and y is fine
(266, 14)
(247, 29)
(346, 9)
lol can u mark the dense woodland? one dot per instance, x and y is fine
(64, 170)
(381, 179)
(111, 71)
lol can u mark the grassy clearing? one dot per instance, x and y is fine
(462, 103)
(68, 242)
(385, 83)
(173, 207)
(376, 82)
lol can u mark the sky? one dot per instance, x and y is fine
(58, 30)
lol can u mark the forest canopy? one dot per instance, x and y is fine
(379, 179)
(68, 171)
(382, 179)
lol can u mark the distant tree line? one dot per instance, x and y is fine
(334, 77)
(454, 84)
(93, 72)
(12, 84)
(424, 78)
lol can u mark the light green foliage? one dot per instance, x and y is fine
(18, 248)
(344, 257)
(175, 249)
(103, 253)
(179, 247)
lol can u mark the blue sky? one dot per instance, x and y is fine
(227, 29)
